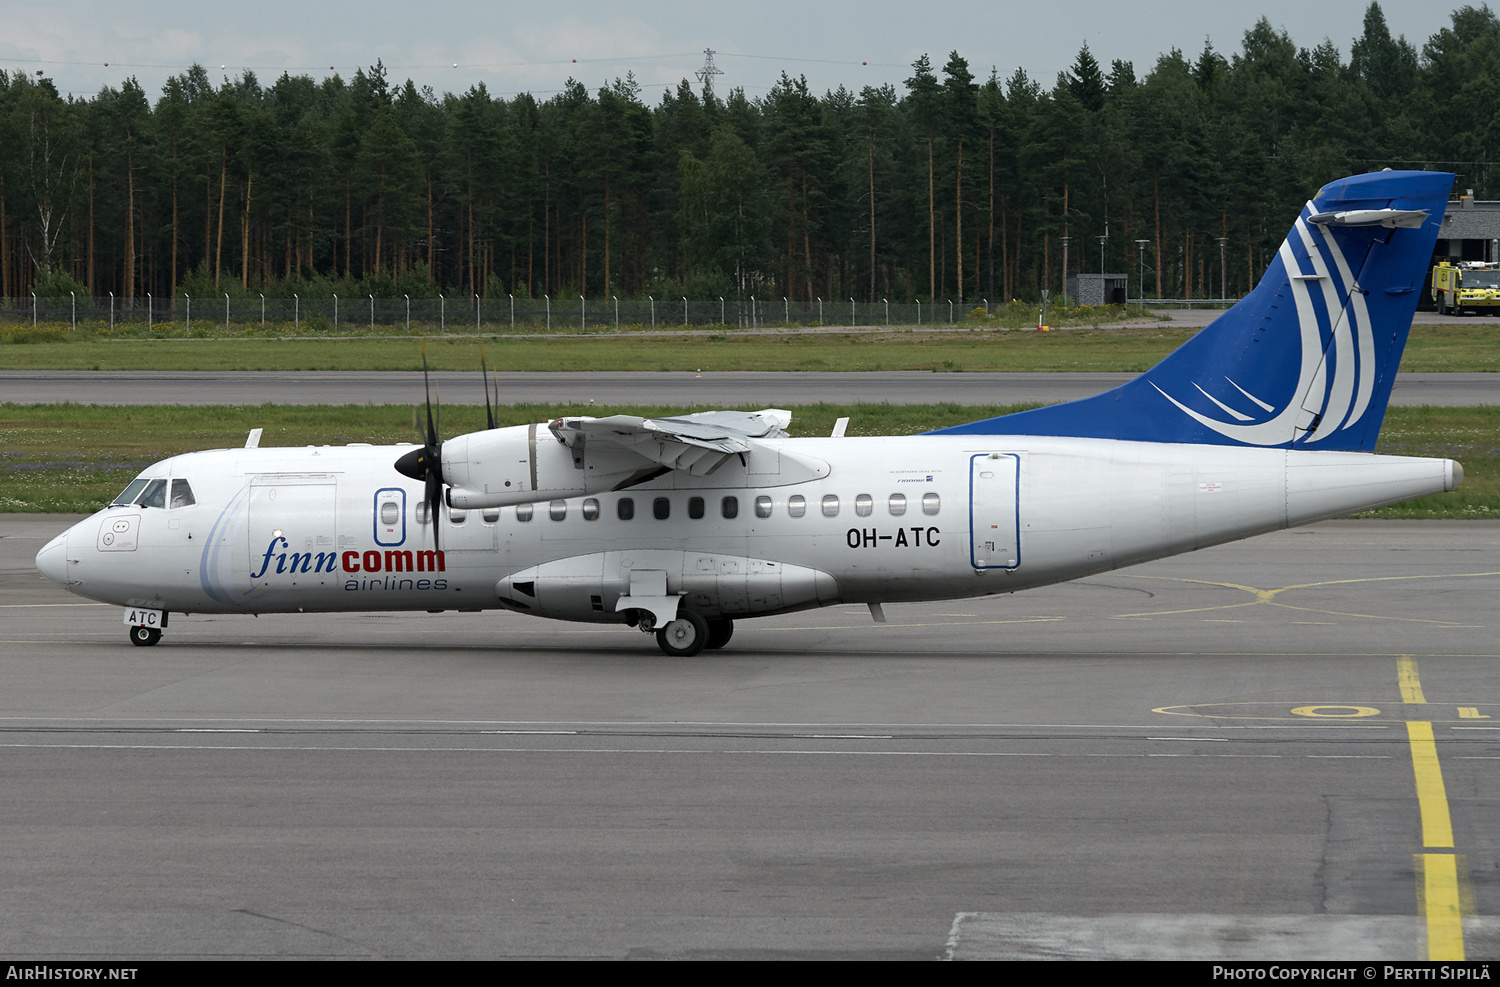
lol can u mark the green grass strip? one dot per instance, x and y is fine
(1464, 347)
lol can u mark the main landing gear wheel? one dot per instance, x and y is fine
(719, 633)
(144, 637)
(685, 636)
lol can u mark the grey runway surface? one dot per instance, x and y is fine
(726, 389)
(1204, 757)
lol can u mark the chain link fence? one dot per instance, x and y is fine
(479, 315)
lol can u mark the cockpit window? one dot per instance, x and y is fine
(155, 495)
(182, 494)
(129, 494)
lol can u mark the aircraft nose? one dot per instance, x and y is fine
(52, 560)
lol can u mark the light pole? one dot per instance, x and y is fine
(263, 309)
(372, 312)
(583, 314)
(75, 309)
(617, 312)
(1223, 277)
(1140, 271)
(226, 311)
(111, 311)
(408, 311)
(335, 310)
(1102, 240)
(1064, 294)
(148, 311)
(652, 300)
(189, 311)
(296, 312)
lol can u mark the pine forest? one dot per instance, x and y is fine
(968, 182)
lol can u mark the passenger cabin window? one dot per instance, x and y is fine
(490, 515)
(931, 503)
(661, 508)
(729, 507)
(390, 513)
(830, 505)
(422, 512)
(182, 494)
(457, 515)
(763, 507)
(625, 508)
(557, 510)
(155, 495)
(591, 510)
(864, 505)
(796, 506)
(695, 508)
(896, 504)
(524, 512)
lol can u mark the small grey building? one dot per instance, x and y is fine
(1098, 289)
(1471, 230)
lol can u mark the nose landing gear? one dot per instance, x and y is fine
(144, 626)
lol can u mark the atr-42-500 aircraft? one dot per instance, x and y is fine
(1263, 420)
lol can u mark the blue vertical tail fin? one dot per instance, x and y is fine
(1308, 358)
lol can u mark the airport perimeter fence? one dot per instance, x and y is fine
(478, 315)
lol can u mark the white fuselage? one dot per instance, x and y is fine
(880, 520)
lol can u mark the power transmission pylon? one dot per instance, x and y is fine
(708, 71)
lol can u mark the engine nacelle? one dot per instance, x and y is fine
(597, 587)
(525, 463)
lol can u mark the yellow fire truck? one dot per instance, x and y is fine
(1469, 286)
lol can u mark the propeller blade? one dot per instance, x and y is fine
(491, 419)
(426, 463)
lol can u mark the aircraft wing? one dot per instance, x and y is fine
(696, 444)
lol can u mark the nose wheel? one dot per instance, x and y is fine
(144, 637)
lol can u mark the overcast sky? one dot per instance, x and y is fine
(451, 45)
